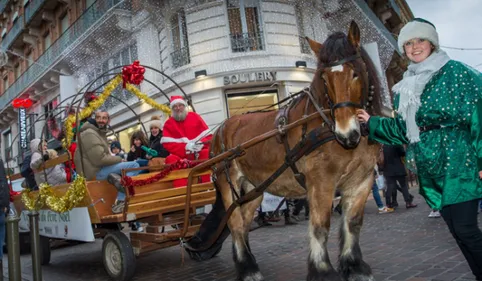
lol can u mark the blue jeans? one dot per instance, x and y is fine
(103, 173)
(2, 232)
(376, 195)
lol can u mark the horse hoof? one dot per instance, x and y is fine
(253, 277)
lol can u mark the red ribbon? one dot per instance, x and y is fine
(130, 183)
(133, 74)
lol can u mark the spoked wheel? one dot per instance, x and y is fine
(118, 256)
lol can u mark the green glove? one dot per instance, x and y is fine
(151, 152)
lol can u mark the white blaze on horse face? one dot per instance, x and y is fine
(337, 68)
(345, 130)
(318, 251)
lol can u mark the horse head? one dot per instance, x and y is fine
(341, 82)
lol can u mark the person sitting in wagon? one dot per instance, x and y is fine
(185, 136)
(93, 151)
(54, 175)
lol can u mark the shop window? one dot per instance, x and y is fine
(240, 102)
(30, 59)
(18, 71)
(244, 26)
(180, 44)
(6, 83)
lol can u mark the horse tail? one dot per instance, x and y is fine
(207, 229)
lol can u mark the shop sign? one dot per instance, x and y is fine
(22, 121)
(250, 77)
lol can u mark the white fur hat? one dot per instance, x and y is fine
(177, 100)
(155, 122)
(418, 28)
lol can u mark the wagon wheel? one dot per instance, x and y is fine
(118, 256)
(44, 250)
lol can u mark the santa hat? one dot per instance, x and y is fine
(418, 28)
(177, 100)
(155, 122)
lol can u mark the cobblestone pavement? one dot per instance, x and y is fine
(404, 245)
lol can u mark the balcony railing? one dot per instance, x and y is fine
(247, 42)
(32, 8)
(3, 5)
(180, 57)
(13, 33)
(60, 47)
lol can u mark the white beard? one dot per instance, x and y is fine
(179, 116)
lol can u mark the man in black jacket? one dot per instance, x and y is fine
(4, 203)
(394, 171)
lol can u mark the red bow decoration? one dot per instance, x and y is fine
(88, 97)
(133, 74)
(130, 183)
(25, 103)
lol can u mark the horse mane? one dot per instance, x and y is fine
(335, 47)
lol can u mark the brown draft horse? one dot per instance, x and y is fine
(347, 164)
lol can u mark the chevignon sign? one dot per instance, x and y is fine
(250, 77)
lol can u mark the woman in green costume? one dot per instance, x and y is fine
(438, 107)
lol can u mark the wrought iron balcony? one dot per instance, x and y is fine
(3, 5)
(32, 8)
(247, 42)
(60, 47)
(180, 57)
(13, 33)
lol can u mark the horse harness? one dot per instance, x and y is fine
(282, 118)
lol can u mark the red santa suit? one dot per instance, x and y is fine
(178, 137)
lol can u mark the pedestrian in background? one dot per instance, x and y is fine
(439, 114)
(4, 204)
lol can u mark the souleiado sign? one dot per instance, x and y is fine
(250, 77)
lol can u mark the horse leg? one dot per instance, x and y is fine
(246, 266)
(351, 264)
(320, 198)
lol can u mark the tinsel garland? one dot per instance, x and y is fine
(130, 183)
(88, 110)
(162, 107)
(60, 204)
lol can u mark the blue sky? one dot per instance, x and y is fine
(459, 24)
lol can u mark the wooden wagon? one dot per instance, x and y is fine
(158, 204)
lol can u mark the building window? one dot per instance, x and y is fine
(47, 41)
(89, 3)
(6, 84)
(180, 43)
(242, 101)
(64, 23)
(304, 46)
(18, 71)
(7, 140)
(50, 112)
(244, 26)
(30, 59)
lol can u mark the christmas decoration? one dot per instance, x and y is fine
(22, 103)
(133, 74)
(60, 204)
(129, 183)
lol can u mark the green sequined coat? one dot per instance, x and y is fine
(447, 160)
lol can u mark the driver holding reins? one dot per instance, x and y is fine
(185, 136)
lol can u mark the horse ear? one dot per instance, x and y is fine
(315, 46)
(354, 34)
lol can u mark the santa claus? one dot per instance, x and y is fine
(185, 136)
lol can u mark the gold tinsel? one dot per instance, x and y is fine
(60, 204)
(162, 107)
(88, 110)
